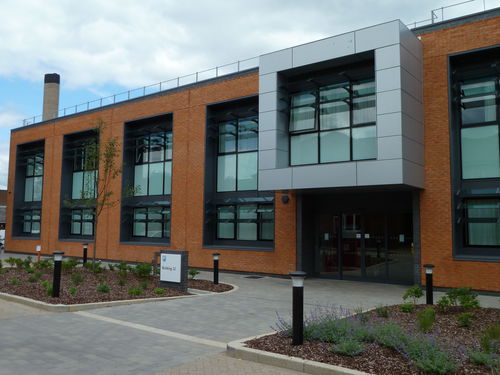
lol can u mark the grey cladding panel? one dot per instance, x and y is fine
(275, 61)
(325, 49)
(377, 36)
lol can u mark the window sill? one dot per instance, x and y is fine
(91, 240)
(35, 238)
(138, 243)
(239, 248)
(477, 258)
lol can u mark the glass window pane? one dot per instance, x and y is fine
(267, 222)
(89, 184)
(227, 137)
(28, 189)
(480, 152)
(247, 230)
(478, 87)
(141, 180)
(364, 143)
(305, 98)
(140, 214)
(155, 230)
(225, 230)
(87, 229)
(483, 208)
(334, 92)
(156, 179)
(156, 148)
(248, 135)
(302, 118)
(35, 227)
(304, 149)
(335, 146)
(139, 229)
(78, 161)
(168, 145)
(167, 187)
(155, 213)
(37, 189)
(38, 165)
(334, 115)
(88, 214)
(363, 88)
(166, 222)
(478, 109)
(76, 227)
(76, 215)
(30, 167)
(36, 215)
(226, 173)
(247, 171)
(483, 228)
(142, 151)
(363, 110)
(77, 189)
(484, 234)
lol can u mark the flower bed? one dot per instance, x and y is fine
(387, 340)
(90, 284)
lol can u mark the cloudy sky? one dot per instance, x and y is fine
(103, 47)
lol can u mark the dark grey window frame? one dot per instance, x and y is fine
(34, 175)
(132, 130)
(165, 222)
(258, 221)
(82, 221)
(217, 113)
(23, 153)
(467, 66)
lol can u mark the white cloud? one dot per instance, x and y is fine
(4, 163)
(133, 43)
(9, 116)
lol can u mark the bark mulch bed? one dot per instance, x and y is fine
(380, 360)
(86, 290)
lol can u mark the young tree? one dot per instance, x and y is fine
(100, 168)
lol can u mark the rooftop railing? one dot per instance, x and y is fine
(204, 75)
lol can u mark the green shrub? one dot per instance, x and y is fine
(135, 291)
(69, 265)
(464, 319)
(77, 277)
(444, 303)
(19, 263)
(407, 307)
(11, 261)
(33, 279)
(122, 274)
(426, 319)
(122, 282)
(382, 311)
(103, 288)
(143, 269)
(37, 274)
(30, 270)
(95, 267)
(429, 356)
(414, 292)
(111, 267)
(72, 290)
(193, 272)
(348, 347)
(123, 266)
(464, 297)
(487, 359)
(490, 340)
(143, 285)
(50, 291)
(45, 284)
(1, 264)
(44, 264)
(15, 281)
(159, 291)
(390, 335)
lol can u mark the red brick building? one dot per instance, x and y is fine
(361, 156)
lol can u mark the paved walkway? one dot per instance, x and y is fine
(182, 336)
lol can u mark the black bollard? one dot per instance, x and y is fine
(216, 267)
(56, 281)
(85, 248)
(298, 307)
(429, 295)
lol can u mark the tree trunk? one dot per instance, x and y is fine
(95, 237)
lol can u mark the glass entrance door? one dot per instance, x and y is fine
(375, 245)
(352, 255)
(328, 245)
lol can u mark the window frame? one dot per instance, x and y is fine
(34, 175)
(318, 129)
(166, 222)
(235, 221)
(237, 152)
(82, 221)
(31, 212)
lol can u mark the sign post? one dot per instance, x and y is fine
(174, 269)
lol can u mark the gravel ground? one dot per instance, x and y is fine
(380, 360)
(17, 281)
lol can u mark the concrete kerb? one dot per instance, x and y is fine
(237, 349)
(98, 305)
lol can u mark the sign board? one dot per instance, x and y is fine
(170, 268)
(174, 269)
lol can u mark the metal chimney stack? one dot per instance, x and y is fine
(51, 96)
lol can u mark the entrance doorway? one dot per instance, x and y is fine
(368, 246)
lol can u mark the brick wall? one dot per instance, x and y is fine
(436, 204)
(189, 123)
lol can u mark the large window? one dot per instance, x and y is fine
(475, 136)
(333, 123)
(33, 181)
(31, 221)
(153, 164)
(82, 222)
(152, 222)
(480, 128)
(84, 171)
(245, 222)
(237, 155)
